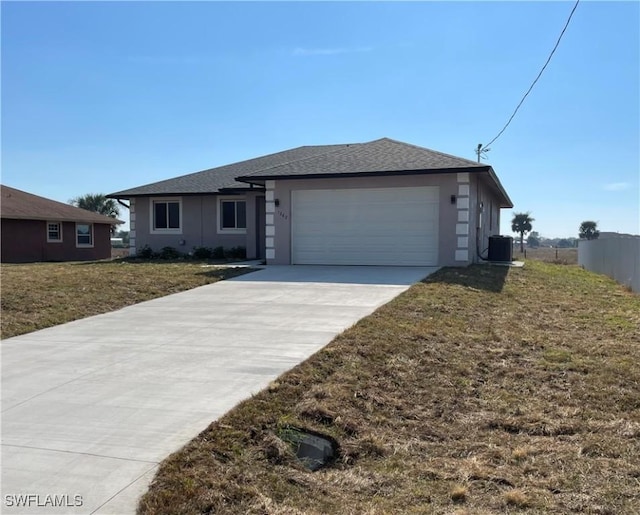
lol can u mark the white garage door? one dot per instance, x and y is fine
(377, 226)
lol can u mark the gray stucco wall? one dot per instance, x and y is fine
(200, 217)
(199, 225)
(448, 212)
(484, 216)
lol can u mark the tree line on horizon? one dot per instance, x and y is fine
(522, 223)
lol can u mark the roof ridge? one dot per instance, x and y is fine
(343, 146)
(271, 155)
(234, 164)
(191, 174)
(429, 150)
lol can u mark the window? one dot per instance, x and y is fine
(166, 215)
(84, 235)
(232, 215)
(54, 232)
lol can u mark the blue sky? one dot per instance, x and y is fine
(103, 96)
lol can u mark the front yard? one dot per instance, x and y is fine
(35, 296)
(481, 390)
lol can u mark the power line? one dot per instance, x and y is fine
(483, 148)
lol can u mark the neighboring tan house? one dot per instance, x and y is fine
(379, 203)
(38, 229)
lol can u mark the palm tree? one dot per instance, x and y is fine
(97, 203)
(589, 230)
(521, 223)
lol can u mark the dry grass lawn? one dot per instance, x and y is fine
(35, 296)
(549, 255)
(481, 390)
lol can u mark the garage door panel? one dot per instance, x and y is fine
(377, 226)
(375, 220)
(377, 242)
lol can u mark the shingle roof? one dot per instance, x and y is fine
(382, 155)
(378, 157)
(17, 204)
(224, 177)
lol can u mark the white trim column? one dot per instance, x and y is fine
(132, 227)
(270, 226)
(462, 224)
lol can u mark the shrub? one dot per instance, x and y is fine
(145, 252)
(218, 253)
(236, 253)
(202, 253)
(169, 253)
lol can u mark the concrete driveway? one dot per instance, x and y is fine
(91, 407)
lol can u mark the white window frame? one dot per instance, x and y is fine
(85, 245)
(59, 239)
(222, 230)
(152, 215)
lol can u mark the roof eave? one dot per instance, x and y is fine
(251, 181)
(508, 203)
(56, 218)
(125, 195)
(232, 191)
(328, 175)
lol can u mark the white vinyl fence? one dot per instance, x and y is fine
(618, 257)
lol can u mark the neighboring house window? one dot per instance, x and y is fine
(166, 215)
(232, 215)
(54, 232)
(84, 235)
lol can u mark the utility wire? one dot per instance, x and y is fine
(484, 147)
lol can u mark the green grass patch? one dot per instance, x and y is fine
(557, 356)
